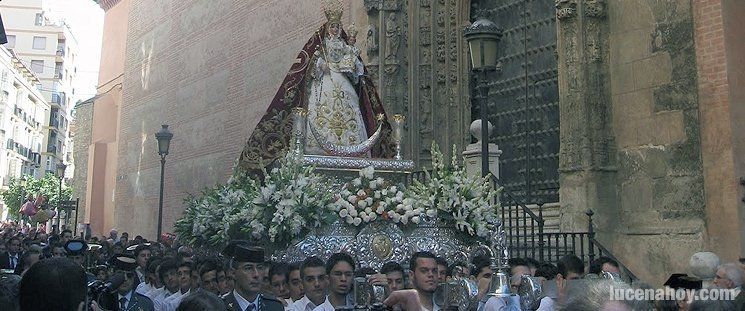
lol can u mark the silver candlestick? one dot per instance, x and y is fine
(299, 120)
(398, 123)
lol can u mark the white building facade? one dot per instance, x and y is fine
(23, 114)
(48, 48)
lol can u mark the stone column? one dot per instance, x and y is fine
(586, 165)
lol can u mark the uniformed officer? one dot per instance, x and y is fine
(248, 263)
(125, 298)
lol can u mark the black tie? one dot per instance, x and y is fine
(123, 303)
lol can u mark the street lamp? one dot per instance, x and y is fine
(482, 37)
(61, 167)
(164, 142)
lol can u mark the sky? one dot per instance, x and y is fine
(85, 19)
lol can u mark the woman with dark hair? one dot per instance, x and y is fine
(53, 284)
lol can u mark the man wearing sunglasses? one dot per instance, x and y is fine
(248, 263)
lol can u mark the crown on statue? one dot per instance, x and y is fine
(352, 30)
(333, 10)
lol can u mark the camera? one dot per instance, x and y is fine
(97, 288)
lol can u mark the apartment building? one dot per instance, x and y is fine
(23, 114)
(47, 47)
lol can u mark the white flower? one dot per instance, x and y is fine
(362, 204)
(415, 219)
(373, 216)
(380, 209)
(368, 210)
(376, 194)
(393, 189)
(357, 221)
(343, 213)
(373, 185)
(369, 201)
(353, 212)
(431, 212)
(366, 218)
(363, 215)
(404, 220)
(356, 182)
(352, 199)
(350, 220)
(379, 180)
(367, 172)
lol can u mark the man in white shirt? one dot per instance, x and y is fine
(168, 273)
(248, 263)
(340, 269)
(424, 274)
(185, 287)
(315, 281)
(152, 282)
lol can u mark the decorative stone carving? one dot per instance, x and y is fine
(380, 5)
(393, 37)
(425, 3)
(593, 50)
(372, 41)
(594, 8)
(425, 71)
(373, 4)
(565, 9)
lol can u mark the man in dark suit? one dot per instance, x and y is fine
(248, 262)
(12, 258)
(125, 298)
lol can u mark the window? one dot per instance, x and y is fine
(40, 43)
(37, 66)
(39, 21)
(11, 42)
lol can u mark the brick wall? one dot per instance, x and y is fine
(717, 121)
(208, 69)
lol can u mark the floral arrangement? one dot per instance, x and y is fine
(292, 199)
(456, 196)
(209, 220)
(366, 199)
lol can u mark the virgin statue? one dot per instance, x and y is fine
(344, 114)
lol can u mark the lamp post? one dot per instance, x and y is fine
(61, 167)
(164, 142)
(482, 37)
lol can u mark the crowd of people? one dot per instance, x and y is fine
(58, 271)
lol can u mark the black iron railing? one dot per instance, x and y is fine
(526, 236)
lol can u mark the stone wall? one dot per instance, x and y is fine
(82, 130)
(656, 125)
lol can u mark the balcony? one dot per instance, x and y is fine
(54, 123)
(52, 149)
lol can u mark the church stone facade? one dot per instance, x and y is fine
(625, 107)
